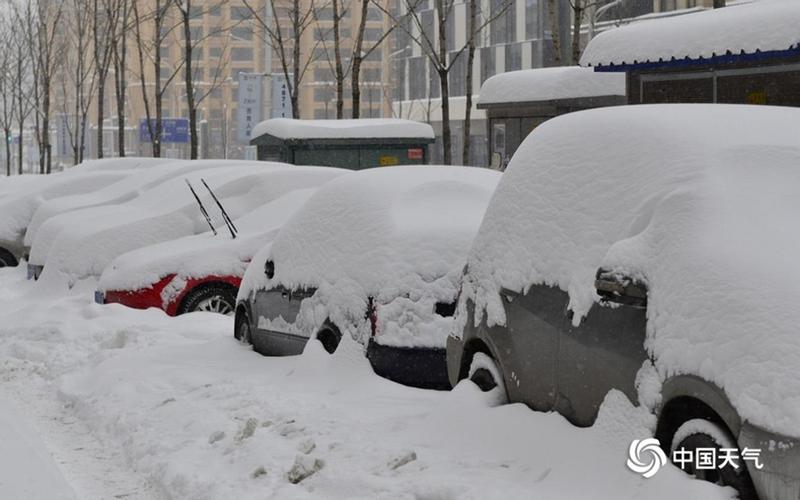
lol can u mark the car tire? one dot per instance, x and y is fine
(329, 336)
(243, 333)
(7, 259)
(486, 375)
(216, 298)
(700, 433)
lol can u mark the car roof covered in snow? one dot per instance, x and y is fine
(378, 226)
(549, 84)
(748, 28)
(362, 128)
(698, 201)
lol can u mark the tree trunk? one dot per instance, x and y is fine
(7, 137)
(119, 91)
(101, 90)
(446, 135)
(187, 54)
(358, 53)
(467, 139)
(296, 59)
(337, 56)
(552, 13)
(577, 11)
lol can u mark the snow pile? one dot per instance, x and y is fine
(201, 417)
(128, 162)
(16, 211)
(761, 26)
(399, 235)
(289, 128)
(696, 200)
(208, 255)
(11, 186)
(547, 84)
(121, 191)
(83, 242)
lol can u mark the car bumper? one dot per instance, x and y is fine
(415, 366)
(779, 478)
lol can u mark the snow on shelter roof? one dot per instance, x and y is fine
(548, 84)
(757, 27)
(363, 128)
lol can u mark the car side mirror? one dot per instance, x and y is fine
(621, 289)
(269, 269)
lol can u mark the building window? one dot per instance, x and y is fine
(371, 74)
(504, 26)
(532, 19)
(667, 5)
(241, 12)
(215, 52)
(241, 54)
(434, 84)
(513, 57)
(417, 79)
(487, 63)
(373, 34)
(242, 33)
(458, 75)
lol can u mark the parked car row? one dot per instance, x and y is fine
(644, 251)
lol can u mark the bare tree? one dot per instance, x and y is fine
(43, 19)
(283, 33)
(472, 26)
(105, 18)
(23, 81)
(194, 95)
(360, 54)
(120, 56)
(159, 16)
(339, 12)
(435, 49)
(78, 78)
(7, 100)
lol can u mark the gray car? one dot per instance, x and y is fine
(524, 344)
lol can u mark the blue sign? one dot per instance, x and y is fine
(175, 130)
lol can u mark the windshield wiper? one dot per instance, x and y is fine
(202, 208)
(225, 217)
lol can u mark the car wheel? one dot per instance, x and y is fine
(329, 338)
(242, 333)
(7, 259)
(484, 373)
(215, 298)
(698, 434)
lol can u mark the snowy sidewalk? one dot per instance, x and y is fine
(27, 469)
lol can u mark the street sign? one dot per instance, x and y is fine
(281, 102)
(173, 130)
(248, 109)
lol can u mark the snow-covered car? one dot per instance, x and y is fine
(17, 210)
(375, 255)
(121, 191)
(649, 252)
(83, 242)
(203, 272)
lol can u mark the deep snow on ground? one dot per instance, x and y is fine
(194, 414)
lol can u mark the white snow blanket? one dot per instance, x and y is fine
(362, 128)
(84, 242)
(696, 200)
(546, 84)
(122, 190)
(197, 416)
(762, 26)
(398, 235)
(208, 254)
